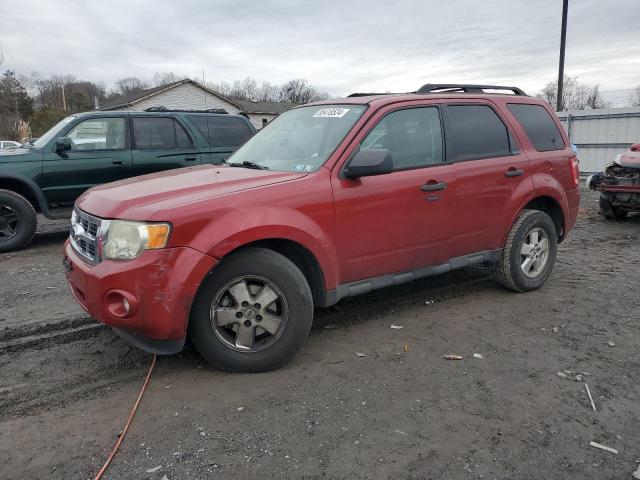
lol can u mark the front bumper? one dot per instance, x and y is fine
(159, 287)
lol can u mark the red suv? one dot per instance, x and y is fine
(331, 200)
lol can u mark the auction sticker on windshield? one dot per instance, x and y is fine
(331, 112)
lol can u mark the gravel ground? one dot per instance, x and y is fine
(400, 411)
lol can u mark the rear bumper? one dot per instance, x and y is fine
(159, 287)
(573, 205)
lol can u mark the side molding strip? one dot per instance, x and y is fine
(365, 286)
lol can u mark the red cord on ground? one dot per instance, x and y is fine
(126, 426)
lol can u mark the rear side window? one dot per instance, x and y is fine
(221, 131)
(475, 132)
(540, 127)
(160, 133)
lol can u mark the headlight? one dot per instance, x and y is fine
(127, 240)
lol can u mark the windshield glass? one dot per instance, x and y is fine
(52, 132)
(299, 140)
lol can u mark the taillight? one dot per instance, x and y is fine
(574, 168)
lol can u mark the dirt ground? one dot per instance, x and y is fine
(67, 385)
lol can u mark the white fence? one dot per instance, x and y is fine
(601, 134)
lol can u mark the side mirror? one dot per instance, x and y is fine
(63, 144)
(369, 162)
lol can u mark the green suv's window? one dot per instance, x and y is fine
(98, 134)
(221, 131)
(158, 132)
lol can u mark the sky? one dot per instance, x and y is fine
(339, 46)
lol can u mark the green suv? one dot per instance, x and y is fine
(88, 149)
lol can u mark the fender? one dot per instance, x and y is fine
(544, 186)
(34, 188)
(240, 221)
(299, 228)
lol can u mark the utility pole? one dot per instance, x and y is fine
(563, 40)
(64, 101)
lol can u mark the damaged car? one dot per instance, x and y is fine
(619, 185)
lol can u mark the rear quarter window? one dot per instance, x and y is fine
(228, 131)
(221, 131)
(539, 126)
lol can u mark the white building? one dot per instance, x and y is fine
(191, 95)
(601, 134)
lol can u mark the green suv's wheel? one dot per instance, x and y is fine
(610, 211)
(529, 252)
(17, 221)
(252, 313)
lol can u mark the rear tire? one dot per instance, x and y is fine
(230, 327)
(18, 221)
(529, 253)
(610, 211)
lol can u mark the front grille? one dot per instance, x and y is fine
(85, 230)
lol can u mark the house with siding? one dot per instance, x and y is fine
(190, 95)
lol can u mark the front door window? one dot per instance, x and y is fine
(98, 134)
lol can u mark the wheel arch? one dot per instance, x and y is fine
(27, 188)
(301, 256)
(549, 203)
(551, 207)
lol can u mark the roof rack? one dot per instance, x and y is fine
(464, 88)
(165, 109)
(359, 94)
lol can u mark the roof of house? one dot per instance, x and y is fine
(273, 108)
(246, 106)
(132, 98)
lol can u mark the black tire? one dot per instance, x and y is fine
(284, 275)
(509, 269)
(18, 221)
(610, 211)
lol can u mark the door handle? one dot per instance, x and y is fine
(190, 159)
(513, 172)
(430, 187)
(117, 162)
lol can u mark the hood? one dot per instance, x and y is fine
(628, 159)
(138, 198)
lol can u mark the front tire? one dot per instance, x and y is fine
(529, 253)
(253, 313)
(610, 211)
(18, 221)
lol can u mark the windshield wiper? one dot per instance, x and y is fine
(247, 164)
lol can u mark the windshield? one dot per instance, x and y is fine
(52, 132)
(299, 140)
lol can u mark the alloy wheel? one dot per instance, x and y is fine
(9, 222)
(249, 314)
(534, 253)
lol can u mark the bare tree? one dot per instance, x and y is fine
(164, 78)
(128, 85)
(299, 91)
(296, 91)
(221, 87)
(594, 98)
(268, 93)
(575, 95)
